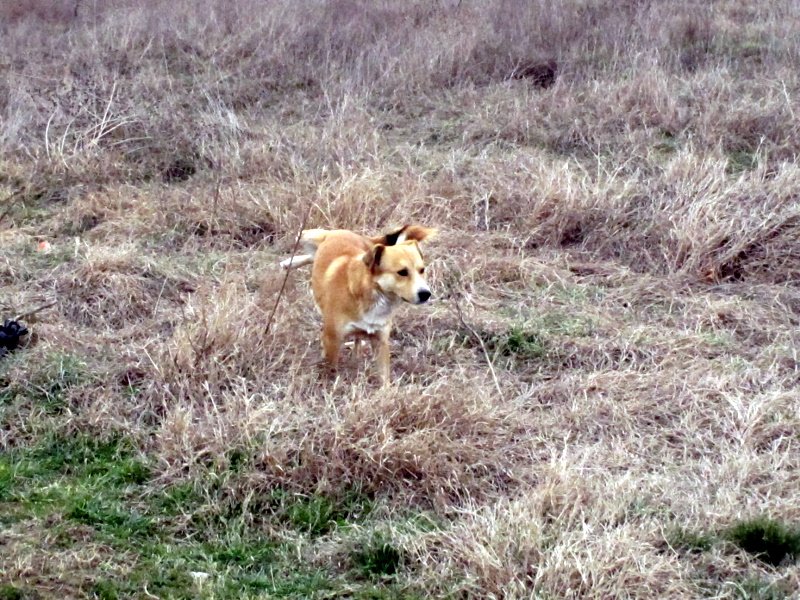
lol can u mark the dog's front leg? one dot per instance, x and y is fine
(382, 342)
(358, 348)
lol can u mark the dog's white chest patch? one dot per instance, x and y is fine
(375, 318)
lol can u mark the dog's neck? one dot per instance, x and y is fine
(383, 301)
(377, 314)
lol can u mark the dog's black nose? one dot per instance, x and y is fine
(423, 295)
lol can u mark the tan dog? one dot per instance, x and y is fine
(359, 281)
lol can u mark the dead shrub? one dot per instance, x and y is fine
(212, 348)
(55, 11)
(435, 446)
(114, 291)
(527, 543)
(693, 36)
(753, 241)
(207, 213)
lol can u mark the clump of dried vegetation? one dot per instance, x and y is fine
(601, 402)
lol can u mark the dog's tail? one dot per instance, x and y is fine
(417, 233)
(310, 240)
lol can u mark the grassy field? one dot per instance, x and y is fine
(601, 401)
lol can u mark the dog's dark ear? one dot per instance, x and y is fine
(406, 233)
(373, 257)
(392, 238)
(418, 233)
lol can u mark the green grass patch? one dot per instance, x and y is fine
(12, 592)
(237, 460)
(109, 515)
(319, 514)
(47, 385)
(30, 262)
(520, 343)
(8, 476)
(315, 515)
(758, 589)
(189, 540)
(685, 540)
(769, 540)
(178, 499)
(104, 590)
(740, 161)
(108, 462)
(377, 556)
(302, 584)
(718, 339)
(243, 554)
(559, 323)
(62, 470)
(163, 582)
(222, 570)
(421, 522)
(516, 344)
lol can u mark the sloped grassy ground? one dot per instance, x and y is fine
(600, 402)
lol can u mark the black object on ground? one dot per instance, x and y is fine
(10, 334)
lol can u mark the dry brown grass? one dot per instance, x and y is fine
(623, 238)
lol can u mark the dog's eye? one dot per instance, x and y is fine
(403, 272)
(421, 270)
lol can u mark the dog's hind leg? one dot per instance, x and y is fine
(332, 340)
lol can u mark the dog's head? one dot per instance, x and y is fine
(398, 267)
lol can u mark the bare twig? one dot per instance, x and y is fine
(30, 313)
(12, 201)
(384, 216)
(215, 203)
(47, 134)
(788, 99)
(477, 336)
(286, 276)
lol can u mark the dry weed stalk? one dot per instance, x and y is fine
(479, 339)
(33, 311)
(295, 246)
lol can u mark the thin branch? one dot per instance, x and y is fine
(30, 313)
(215, 202)
(788, 99)
(12, 201)
(286, 276)
(477, 336)
(47, 133)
